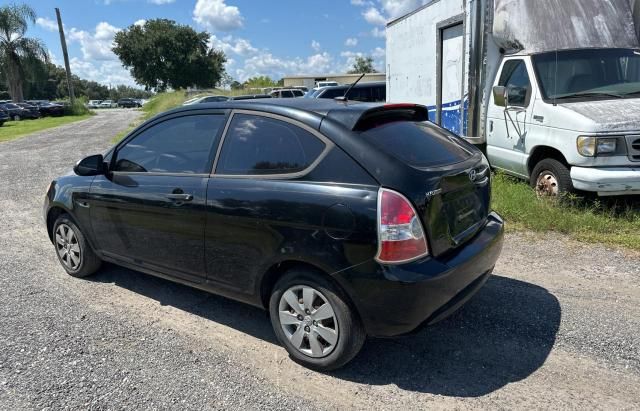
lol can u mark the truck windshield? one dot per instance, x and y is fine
(589, 74)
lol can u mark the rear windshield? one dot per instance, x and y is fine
(419, 144)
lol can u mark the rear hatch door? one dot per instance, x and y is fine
(447, 179)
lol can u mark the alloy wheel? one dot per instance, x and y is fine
(547, 184)
(68, 247)
(308, 321)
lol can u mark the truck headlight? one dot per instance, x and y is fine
(592, 146)
(606, 146)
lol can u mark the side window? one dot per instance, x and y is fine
(515, 77)
(287, 94)
(256, 145)
(360, 94)
(177, 145)
(333, 93)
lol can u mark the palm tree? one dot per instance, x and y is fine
(15, 48)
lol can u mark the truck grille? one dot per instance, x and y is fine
(633, 145)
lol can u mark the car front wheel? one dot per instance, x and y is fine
(73, 251)
(314, 322)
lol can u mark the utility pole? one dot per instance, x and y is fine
(63, 42)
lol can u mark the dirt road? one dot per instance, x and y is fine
(557, 326)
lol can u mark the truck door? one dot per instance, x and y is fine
(449, 106)
(507, 127)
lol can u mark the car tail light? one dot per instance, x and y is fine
(401, 238)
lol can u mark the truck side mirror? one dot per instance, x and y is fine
(500, 96)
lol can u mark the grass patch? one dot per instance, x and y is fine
(14, 129)
(158, 104)
(613, 221)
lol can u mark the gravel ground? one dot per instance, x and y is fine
(557, 326)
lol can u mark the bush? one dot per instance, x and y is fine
(78, 108)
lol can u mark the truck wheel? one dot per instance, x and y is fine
(313, 321)
(551, 178)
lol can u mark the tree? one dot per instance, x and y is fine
(15, 48)
(162, 54)
(260, 82)
(236, 85)
(362, 65)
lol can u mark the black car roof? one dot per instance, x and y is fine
(346, 113)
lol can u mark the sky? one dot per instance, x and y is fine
(259, 37)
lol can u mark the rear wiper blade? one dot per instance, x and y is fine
(578, 95)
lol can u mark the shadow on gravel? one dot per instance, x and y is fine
(502, 335)
(242, 317)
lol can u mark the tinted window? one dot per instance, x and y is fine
(515, 77)
(287, 93)
(419, 144)
(178, 145)
(215, 99)
(297, 93)
(333, 92)
(262, 145)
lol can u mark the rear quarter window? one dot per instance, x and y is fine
(257, 145)
(419, 144)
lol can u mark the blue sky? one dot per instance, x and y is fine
(259, 37)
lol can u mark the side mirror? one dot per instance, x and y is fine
(90, 166)
(500, 96)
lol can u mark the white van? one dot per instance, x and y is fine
(550, 89)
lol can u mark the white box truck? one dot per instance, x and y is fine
(550, 88)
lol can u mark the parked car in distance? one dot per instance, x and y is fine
(342, 220)
(128, 103)
(250, 97)
(94, 103)
(287, 93)
(107, 104)
(4, 116)
(17, 113)
(375, 91)
(33, 109)
(313, 92)
(320, 84)
(49, 109)
(205, 99)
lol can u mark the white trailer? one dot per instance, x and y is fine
(550, 88)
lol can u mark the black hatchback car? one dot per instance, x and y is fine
(343, 220)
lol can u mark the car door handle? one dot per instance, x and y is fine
(180, 197)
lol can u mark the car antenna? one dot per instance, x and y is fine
(346, 93)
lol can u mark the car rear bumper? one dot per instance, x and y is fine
(607, 181)
(395, 300)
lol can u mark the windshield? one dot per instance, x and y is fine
(588, 74)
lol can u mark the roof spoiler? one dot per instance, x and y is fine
(389, 113)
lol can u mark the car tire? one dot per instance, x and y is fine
(551, 178)
(74, 252)
(323, 338)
